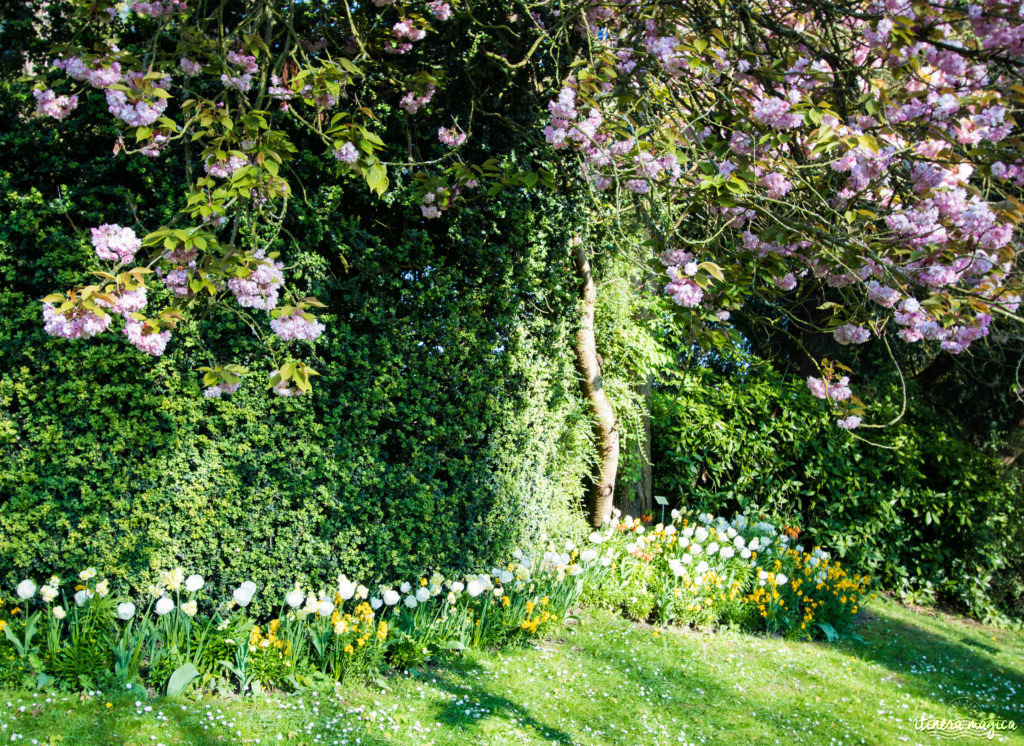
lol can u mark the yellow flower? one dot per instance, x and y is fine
(349, 649)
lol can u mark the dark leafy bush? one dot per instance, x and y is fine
(927, 514)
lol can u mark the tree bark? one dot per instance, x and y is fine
(601, 489)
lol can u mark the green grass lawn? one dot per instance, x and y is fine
(603, 681)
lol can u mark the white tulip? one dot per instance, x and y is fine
(346, 588)
(391, 597)
(410, 601)
(26, 589)
(164, 606)
(243, 594)
(422, 594)
(194, 583)
(82, 596)
(125, 611)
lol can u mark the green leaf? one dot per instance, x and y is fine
(180, 679)
(377, 179)
(830, 632)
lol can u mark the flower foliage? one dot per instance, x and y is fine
(88, 637)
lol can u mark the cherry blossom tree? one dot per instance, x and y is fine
(869, 149)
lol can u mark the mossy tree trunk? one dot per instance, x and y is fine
(601, 489)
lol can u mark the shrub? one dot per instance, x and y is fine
(756, 443)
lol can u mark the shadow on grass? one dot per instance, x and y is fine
(808, 701)
(922, 659)
(458, 678)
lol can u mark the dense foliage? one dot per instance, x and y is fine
(447, 425)
(924, 512)
(758, 158)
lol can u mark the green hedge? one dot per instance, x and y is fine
(437, 434)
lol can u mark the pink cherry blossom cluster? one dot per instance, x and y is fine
(297, 326)
(176, 278)
(835, 392)
(412, 103)
(279, 91)
(851, 334)
(405, 34)
(52, 105)
(824, 388)
(146, 340)
(241, 83)
(775, 112)
(405, 30)
(919, 324)
(219, 389)
(101, 76)
(440, 9)
(226, 168)
(451, 137)
(134, 107)
(681, 267)
(246, 62)
(347, 153)
(786, 282)
(114, 243)
(127, 302)
(604, 154)
(682, 289)
(155, 146)
(159, 9)
(851, 422)
(190, 67)
(259, 289)
(78, 323)
(433, 203)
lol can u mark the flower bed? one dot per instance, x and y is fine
(695, 570)
(706, 570)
